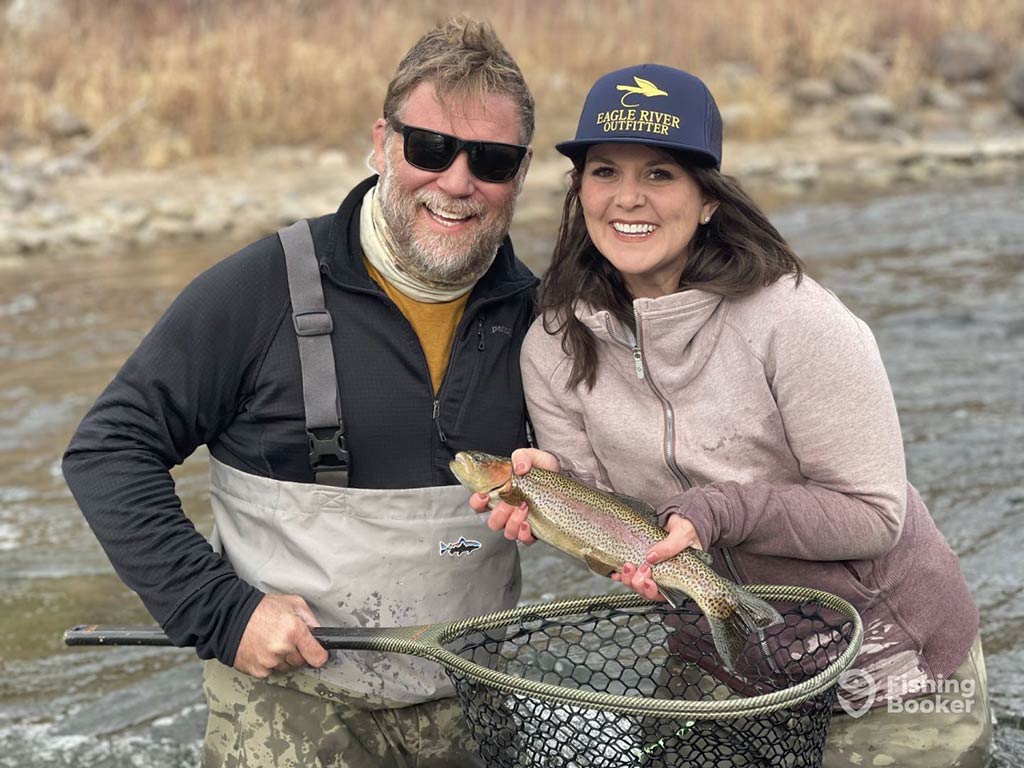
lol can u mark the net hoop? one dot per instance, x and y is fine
(426, 643)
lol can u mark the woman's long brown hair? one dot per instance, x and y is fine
(738, 252)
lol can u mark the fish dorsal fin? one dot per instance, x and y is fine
(598, 566)
(642, 508)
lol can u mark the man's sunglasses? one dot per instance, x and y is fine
(432, 151)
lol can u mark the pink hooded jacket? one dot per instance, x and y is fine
(768, 421)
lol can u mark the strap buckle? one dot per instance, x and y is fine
(316, 322)
(333, 447)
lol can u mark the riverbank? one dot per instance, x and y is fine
(129, 126)
(62, 206)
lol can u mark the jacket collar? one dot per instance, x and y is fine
(677, 334)
(342, 260)
(692, 306)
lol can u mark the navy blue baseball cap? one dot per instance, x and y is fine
(650, 104)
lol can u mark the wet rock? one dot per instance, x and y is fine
(33, 240)
(332, 158)
(175, 208)
(802, 175)
(16, 192)
(858, 73)
(812, 91)
(166, 150)
(210, 220)
(1015, 87)
(941, 97)
(67, 165)
(35, 16)
(736, 74)
(124, 216)
(33, 158)
(870, 117)
(65, 124)
(159, 229)
(87, 231)
(991, 121)
(738, 117)
(975, 90)
(962, 56)
(49, 214)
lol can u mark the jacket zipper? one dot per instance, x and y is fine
(640, 365)
(460, 328)
(437, 421)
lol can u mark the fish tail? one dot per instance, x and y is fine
(443, 547)
(731, 632)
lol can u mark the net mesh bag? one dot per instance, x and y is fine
(627, 684)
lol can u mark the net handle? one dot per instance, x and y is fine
(428, 642)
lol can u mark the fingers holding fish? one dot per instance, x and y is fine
(681, 534)
(480, 502)
(505, 517)
(524, 459)
(639, 580)
(516, 526)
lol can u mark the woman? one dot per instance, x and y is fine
(683, 357)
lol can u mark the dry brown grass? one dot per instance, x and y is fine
(225, 77)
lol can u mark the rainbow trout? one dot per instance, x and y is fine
(606, 530)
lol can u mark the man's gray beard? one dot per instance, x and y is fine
(436, 258)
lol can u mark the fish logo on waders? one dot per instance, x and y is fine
(461, 547)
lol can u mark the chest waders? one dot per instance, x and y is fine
(359, 557)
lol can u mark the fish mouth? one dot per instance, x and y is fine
(464, 467)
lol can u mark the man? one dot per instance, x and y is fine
(333, 370)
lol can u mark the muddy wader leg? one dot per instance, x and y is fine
(255, 724)
(925, 736)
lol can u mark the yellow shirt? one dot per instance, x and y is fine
(434, 324)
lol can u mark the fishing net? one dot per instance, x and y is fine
(623, 682)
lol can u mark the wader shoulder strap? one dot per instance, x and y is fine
(313, 326)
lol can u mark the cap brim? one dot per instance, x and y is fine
(577, 150)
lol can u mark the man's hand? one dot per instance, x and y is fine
(505, 516)
(277, 638)
(681, 534)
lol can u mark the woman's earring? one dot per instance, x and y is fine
(707, 219)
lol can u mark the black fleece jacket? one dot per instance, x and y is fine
(221, 368)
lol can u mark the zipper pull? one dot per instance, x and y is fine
(437, 421)
(480, 333)
(638, 362)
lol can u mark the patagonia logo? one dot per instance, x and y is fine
(501, 329)
(461, 547)
(630, 118)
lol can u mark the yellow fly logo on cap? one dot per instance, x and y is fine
(642, 87)
(633, 119)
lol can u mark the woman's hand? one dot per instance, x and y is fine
(681, 534)
(505, 516)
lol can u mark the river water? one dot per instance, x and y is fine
(938, 276)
